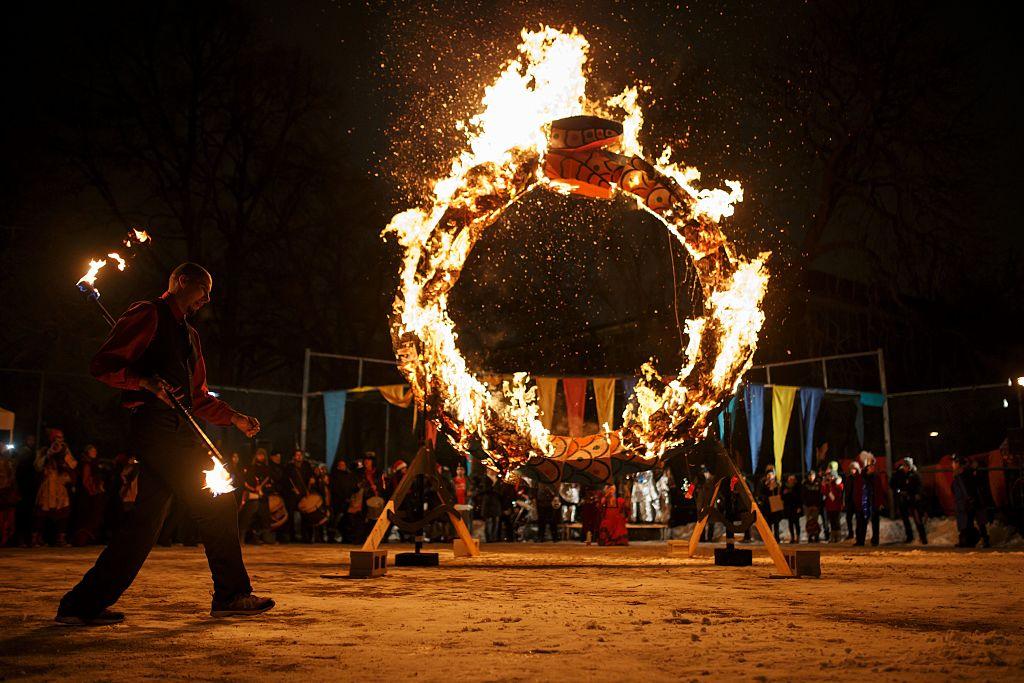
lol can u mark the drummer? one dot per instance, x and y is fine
(255, 514)
(299, 474)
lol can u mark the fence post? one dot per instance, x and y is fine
(39, 409)
(885, 425)
(305, 402)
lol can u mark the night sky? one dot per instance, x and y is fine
(878, 145)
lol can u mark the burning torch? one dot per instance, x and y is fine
(218, 480)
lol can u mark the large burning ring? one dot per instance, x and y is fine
(504, 421)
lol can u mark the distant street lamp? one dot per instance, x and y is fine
(1020, 403)
(928, 445)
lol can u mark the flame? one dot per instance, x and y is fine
(95, 265)
(140, 237)
(504, 150)
(90, 276)
(218, 480)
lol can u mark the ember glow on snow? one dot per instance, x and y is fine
(502, 161)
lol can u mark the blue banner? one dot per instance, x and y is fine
(334, 419)
(810, 404)
(753, 398)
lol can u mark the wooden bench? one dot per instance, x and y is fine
(641, 529)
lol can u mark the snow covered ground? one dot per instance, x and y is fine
(535, 612)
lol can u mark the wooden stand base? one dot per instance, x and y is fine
(731, 556)
(424, 464)
(804, 562)
(460, 549)
(367, 564)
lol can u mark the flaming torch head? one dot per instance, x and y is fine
(88, 282)
(218, 480)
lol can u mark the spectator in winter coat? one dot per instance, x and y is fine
(849, 504)
(90, 499)
(703, 495)
(344, 484)
(811, 495)
(9, 498)
(590, 515)
(490, 507)
(792, 501)
(906, 490)
(868, 495)
(833, 494)
(969, 507)
(770, 489)
(548, 511)
(53, 500)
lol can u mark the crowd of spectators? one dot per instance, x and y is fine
(48, 495)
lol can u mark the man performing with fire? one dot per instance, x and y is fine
(153, 352)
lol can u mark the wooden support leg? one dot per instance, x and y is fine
(698, 530)
(463, 533)
(770, 544)
(380, 527)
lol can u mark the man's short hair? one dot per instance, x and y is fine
(190, 270)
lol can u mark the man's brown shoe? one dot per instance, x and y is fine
(104, 618)
(241, 606)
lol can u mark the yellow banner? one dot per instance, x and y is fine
(782, 408)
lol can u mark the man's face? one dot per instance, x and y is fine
(812, 475)
(368, 463)
(342, 466)
(297, 456)
(57, 437)
(194, 292)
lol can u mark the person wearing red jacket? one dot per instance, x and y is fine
(153, 352)
(832, 491)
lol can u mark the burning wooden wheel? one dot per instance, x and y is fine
(538, 129)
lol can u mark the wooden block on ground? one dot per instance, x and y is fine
(733, 557)
(679, 547)
(803, 562)
(460, 549)
(367, 564)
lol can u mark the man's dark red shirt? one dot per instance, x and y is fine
(113, 363)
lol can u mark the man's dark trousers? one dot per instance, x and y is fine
(171, 464)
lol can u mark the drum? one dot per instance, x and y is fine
(374, 506)
(312, 508)
(278, 511)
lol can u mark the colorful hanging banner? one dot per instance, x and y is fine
(604, 392)
(731, 410)
(547, 390)
(628, 388)
(810, 404)
(397, 394)
(334, 420)
(870, 400)
(782, 408)
(753, 399)
(575, 395)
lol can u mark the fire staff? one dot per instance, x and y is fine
(153, 352)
